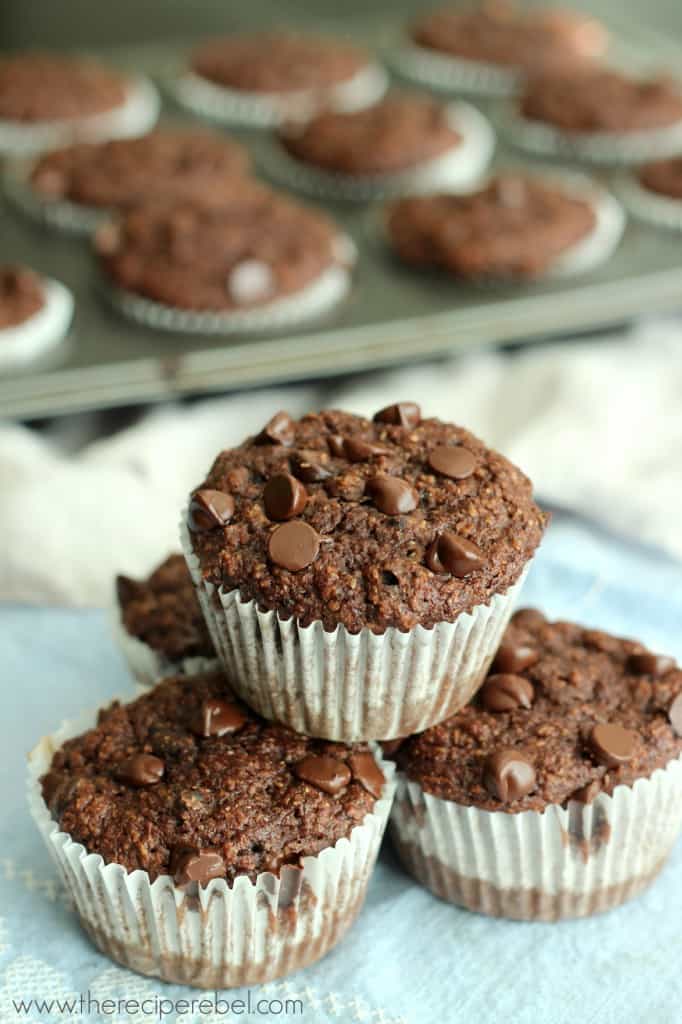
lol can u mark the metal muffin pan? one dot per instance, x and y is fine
(393, 315)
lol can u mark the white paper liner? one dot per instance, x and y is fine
(543, 139)
(149, 666)
(269, 110)
(42, 332)
(134, 117)
(457, 168)
(452, 74)
(350, 686)
(218, 936)
(564, 862)
(647, 205)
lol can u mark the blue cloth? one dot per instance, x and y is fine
(409, 957)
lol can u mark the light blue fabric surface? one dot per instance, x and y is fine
(410, 957)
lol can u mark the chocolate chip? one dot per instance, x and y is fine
(452, 554)
(508, 775)
(128, 589)
(506, 692)
(612, 745)
(514, 657)
(337, 445)
(278, 430)
(209, 510)
(530, 618)
(326, 773)
(284, 497)
(645, 663)
(357, 450)
(307, 467)
(217, 718)
(197, 865)
(391, 495)
(141, 770)
(367, 772)
(391, 747)
(452, 461)
(402, 414)
(294, 546)
(675, 714)
(587, 794)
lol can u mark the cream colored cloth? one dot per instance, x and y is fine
(596, 424)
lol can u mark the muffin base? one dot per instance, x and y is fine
(42, 332)
(449, 73)
(652, 207)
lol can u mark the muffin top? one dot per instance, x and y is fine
(602, 100)
(398, 132)
(277, 62)
(516, 226)
(664, 177)
(166, 163)
(47, 87)
(242, 250)
(163, 611)
(396, 522)
(565, 713)
(498, 33)
(21, 295)
(187, 781)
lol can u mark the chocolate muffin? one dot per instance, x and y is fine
(570, 750)
(167, 164)
(38, 87)
(515, 226)
(664, 177)
(35, 314)
(22, 295)
(239, 822)
(352, 531)
(159, 624)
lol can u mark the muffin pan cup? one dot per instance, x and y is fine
(564, 862)
(647, 205)
(350, 686)
(42, 332)
(454, 74)
(458, 168)
(269, 110)
(219, 936)
(134, 117)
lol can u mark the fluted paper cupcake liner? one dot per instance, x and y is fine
(41, 333)
(313, 301)
(564, 862)
(543, 139)
(453, 74)
(350, 686)
(458, 167)
(133, 117)
(269, 110)
(647, 205)
(149, 666)
(219, 936)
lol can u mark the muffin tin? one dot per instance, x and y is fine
(393, 314)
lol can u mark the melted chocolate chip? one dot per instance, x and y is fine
(326, 773)
(402, 414)
(612, 745)
(209, 509)
(128, 589)
(508, 775)
(197, 865)
(391, 495)
(357, 450)
(528, 617)
(514, 657)
(506, 692)
(452, 461)
(308, 468)
(294, 546)
(278, 430)
(141, 770)
(217, 718)
(391, 747)
(452, 554)
(284, 497)
(675, 715)
(337, 446)
(587, 794)
(367, 772)
(645, 663)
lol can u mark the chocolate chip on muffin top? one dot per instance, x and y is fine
(399, 132)
(187, 781)
(38, 87)
(397, 522)
(21, 295)
(565, 713)
(163, 611)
